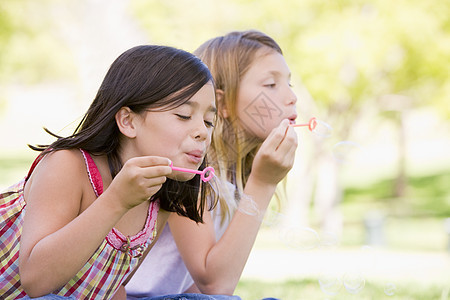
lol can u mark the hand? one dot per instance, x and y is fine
(139, 179)
(276, 155)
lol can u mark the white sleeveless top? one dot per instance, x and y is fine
(163, 271)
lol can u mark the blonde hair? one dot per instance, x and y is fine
(228, 58)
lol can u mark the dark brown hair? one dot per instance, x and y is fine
(142, 78)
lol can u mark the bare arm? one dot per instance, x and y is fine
(217, 267)
(121, 294)
(55, 230)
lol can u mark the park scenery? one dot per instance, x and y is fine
(366, 212)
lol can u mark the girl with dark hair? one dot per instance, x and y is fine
(252, 150)
(94, 201)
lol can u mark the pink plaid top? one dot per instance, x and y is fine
(107, 268)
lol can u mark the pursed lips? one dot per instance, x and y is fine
(196, 156)
(292, 118)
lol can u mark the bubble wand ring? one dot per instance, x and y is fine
(204, 178)
(317, 127)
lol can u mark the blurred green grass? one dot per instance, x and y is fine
(425, 196)
(410, 224)
(309, 289)
(14, 167)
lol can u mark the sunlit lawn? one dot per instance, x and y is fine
(309, 289)
(410, 236)
(413, 225)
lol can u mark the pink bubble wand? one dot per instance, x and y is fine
(311, 124)
(203, 176)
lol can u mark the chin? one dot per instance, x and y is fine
(181, 176)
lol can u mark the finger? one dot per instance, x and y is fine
(289, 143)
(156, 171)
(276, 136)
(152, 190)
(155, 181)
(148, 161)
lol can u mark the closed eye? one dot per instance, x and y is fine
(182, 117)
(209, 124)
(271, 85)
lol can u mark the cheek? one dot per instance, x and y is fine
(261, 115)
(166, 143)
(161, 148)
(245, 99)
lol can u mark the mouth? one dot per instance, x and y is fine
(195, 156)
(292, 119)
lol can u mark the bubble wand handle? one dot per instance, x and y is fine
(209, 170)
(185, 170)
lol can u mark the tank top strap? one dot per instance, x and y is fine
(94, 174)
(33, 165)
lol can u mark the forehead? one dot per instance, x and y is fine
(204, 98)
(268, 62)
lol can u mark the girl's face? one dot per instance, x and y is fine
(182, 134)
(265, 96)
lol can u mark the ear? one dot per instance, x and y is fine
(222, 109)
(124, 120)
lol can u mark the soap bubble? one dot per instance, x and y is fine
(301, 238)
(330, 283)
(273, 218)
(389, 289)
(329, 240)
(321, 129)
(354, 282)
(248, 206)
(318, 127)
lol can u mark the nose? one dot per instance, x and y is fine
(291, 97)
(200, 131)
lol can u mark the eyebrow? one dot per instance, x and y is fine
(277, 74)
(196, 104)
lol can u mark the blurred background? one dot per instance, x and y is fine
(368, 209)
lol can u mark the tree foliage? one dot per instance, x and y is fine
(31, 50)
(346, 52)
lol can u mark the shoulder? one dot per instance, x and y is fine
(67, 161)
(57, 185)
(59, 168)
